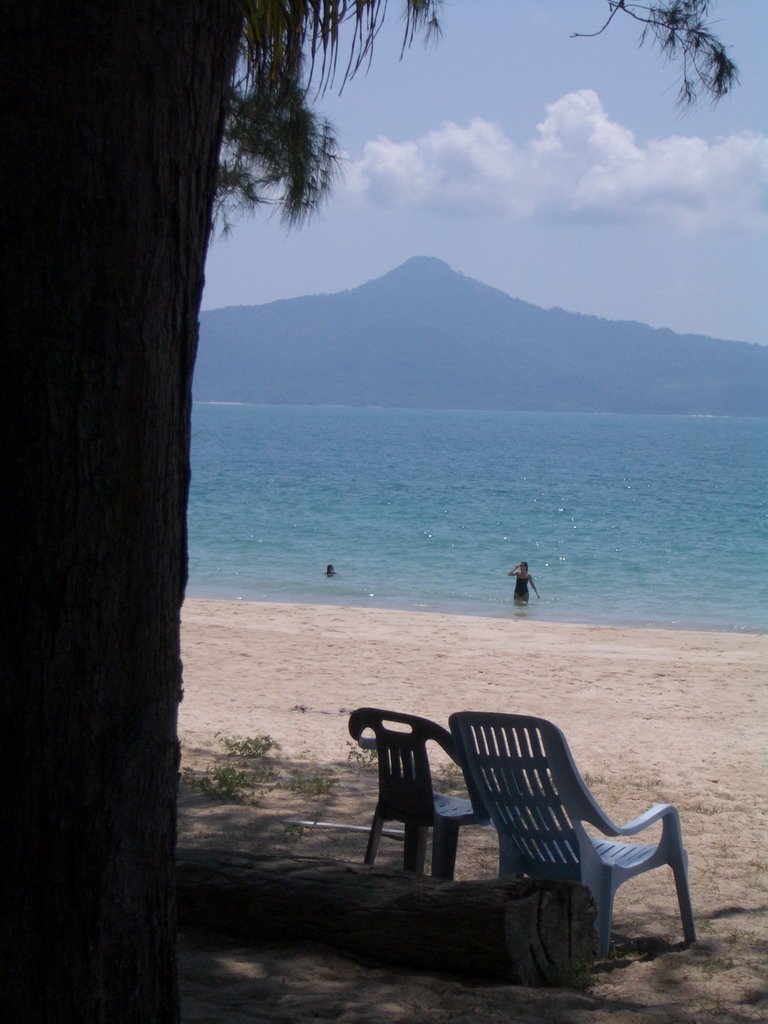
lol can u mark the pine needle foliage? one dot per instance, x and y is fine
(276, 150)
(682, 33)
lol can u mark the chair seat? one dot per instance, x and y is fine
(454, 807)
(623, 855)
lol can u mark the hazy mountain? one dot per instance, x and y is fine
(427, 337)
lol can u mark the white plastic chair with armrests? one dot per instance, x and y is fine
(522, 770)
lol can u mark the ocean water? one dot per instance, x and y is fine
(637, 520)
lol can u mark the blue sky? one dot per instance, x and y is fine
(559, 170)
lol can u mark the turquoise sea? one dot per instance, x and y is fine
(638, 520)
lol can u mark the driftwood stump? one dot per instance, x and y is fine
(524, 931)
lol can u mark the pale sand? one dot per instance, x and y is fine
(650, 715)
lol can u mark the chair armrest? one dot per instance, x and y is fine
(448, 744)
(644, 820)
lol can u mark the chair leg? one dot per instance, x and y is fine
(373, 839)
(604, 900)
(509, 858)
(684, 898)
(415, 849)
(445, 841)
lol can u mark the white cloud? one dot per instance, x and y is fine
(580, 165)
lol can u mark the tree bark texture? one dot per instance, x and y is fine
(524, 931)
(110, 117)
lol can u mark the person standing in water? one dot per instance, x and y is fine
(521, 583)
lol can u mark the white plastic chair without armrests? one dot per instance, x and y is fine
(405, 788)
(521, 769)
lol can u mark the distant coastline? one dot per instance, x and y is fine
(341, 405)
(423, 336)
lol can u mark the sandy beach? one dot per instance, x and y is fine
(651, 715)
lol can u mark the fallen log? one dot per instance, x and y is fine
(524, 931)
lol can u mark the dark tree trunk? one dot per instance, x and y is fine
(526, 931)
(110, 114)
